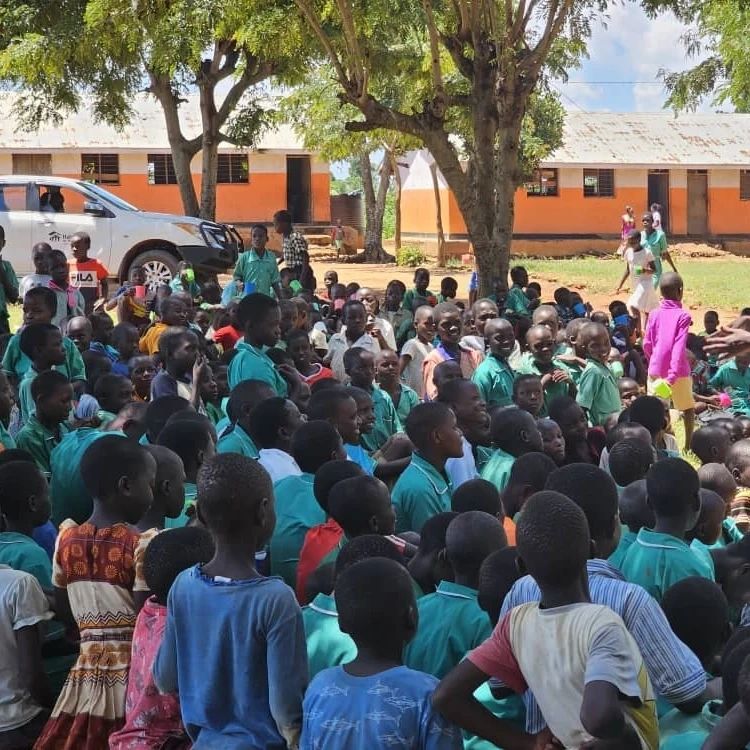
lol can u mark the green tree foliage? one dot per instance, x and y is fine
(719, 34)
(467, 80)
(58, 52)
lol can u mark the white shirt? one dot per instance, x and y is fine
(339, 344)
(22, 604)
(278, 464)
(462, 469)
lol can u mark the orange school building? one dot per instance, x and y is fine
(696, 166)
(136, 164)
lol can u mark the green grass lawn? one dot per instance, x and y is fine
(709, 282)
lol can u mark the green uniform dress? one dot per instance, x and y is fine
(411, 294)
(420, 493)
(297, 511)
(494, 379)
(327, 646)
(35, 438)
(451, 623)
(408, 398)
(656, 244)
(598, 393)
(387, 422)
(16, 363)
(529, 367)
(657, 561)
(238, 441)
(251, 363)
(497, 469)
(517, 302)
(261, 270)
(736, 383)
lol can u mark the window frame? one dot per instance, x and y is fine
(95, 176)
(236, 165)
(537, 180)
(167, 168)
(746, 195)
(598, 174)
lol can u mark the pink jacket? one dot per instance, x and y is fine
(665, 341)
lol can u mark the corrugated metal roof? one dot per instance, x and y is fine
(653, 140)
(146, 131)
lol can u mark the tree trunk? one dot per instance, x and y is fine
(210, 152)
(397, 202)
(375, 209)
(438, 215)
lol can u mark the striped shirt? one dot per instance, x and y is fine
(675, 671)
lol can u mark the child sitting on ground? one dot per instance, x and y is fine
(244, 398)
(273, 424)
(112, 392)
(173, 313)
(312, 445)
(598, 393)
(528, 394)
(376, 608)
(494, 377)
(635, 514)
(93, 586)
(152, 719)
(321, 539)
(298, 346)
(630, 460)
(582, 444)
(265, 674)
(169, 489)
(718, 478)
(660, 557)
(429, 565)
(553, 545)
(514, 433)
(479, 494)
(424, 489)
(416, 349)
(553, 441)
(451, 616)
(708, 528)
(711, 444)
(738, 463)
(182, 369)
(142, 371)
(24, 505)
(124, 339)
(42, 344)
(52, 396)
(528, 475)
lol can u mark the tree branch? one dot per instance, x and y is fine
(437, 76)
(455, 50)
(249, 77)
(351, 40)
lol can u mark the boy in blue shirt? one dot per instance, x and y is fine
(661, 557)
(24, 505)
(263, 667)
(376, 608)
(452, 616)
(424, 488)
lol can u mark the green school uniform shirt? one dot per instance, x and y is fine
(497, 469)
(730, 533)
(252, 364)
(451, 623)
(510, 709)
(16, 363)
(681, 731)
(25, 402)
(191, 493)
(420, 493)
(574, 369)
(482, 455)
(10, 275)
(70, 498)
(552, 390)
(21, 552)
(598, 393)
(494, 379)
(703, 551)
(411, 294)
(105, 417)
(214, 413)
(238, 441)
(627, 537)
(35, 438)
(6, 439)
(386, 424)
(408, 398)
(736, 383)
(327, 646)
(657, 561)
(261, 270)
(517, 302)
(297, 511)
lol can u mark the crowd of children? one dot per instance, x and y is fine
(272, 516)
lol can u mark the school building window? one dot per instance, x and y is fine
(102, 169)
(161, 169)
(745, 184)
(599, 183)
(233, 168)
(543, 182)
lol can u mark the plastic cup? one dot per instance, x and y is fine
(140, 291)
(662, 389)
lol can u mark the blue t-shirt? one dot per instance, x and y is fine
(235, 652)
(391, 709)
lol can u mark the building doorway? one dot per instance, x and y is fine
(658, 192)
(298, 193)
(697, 202)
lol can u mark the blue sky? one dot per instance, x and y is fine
(621, 74)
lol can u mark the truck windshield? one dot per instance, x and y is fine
(101, 194)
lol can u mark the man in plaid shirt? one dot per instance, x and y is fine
(294, 244)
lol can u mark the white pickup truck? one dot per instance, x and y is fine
(52, 209)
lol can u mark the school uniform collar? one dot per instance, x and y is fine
(456, 591)
(245, 347)
(325, 605)
(254, 255)
(657, 540)
(600, 567)
(440, 482)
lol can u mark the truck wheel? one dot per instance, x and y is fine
(160, 266)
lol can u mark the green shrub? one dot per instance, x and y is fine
(410, 256)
